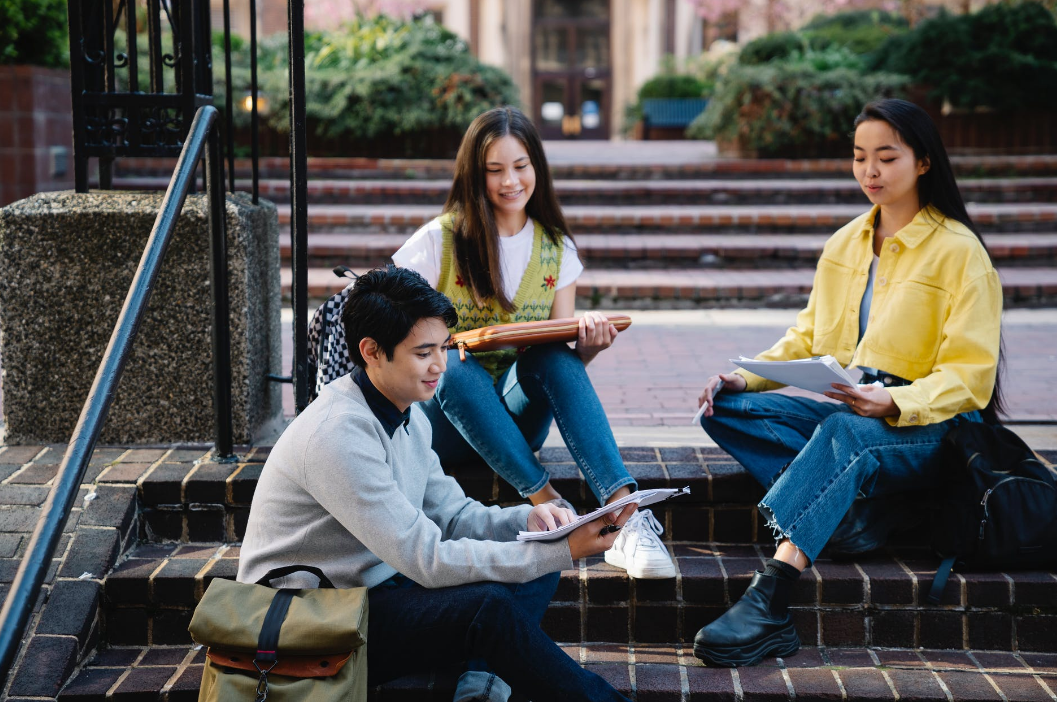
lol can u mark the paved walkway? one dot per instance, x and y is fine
(649, 380)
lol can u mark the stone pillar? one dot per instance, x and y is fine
(66, 264)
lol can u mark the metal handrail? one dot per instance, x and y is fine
(31, 573)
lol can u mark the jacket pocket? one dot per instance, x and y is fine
(832, 283)
(909, 324)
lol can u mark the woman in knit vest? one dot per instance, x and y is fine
(502, 253)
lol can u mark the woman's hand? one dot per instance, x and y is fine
(866, 401)
(589, 539)
(596, 335)
(548, 517)
(732, 382)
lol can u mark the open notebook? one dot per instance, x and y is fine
(644, 498)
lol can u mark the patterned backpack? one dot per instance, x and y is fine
(328, 352)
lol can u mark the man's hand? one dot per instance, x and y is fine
(732, 382)
(588, 539)
(866, 401)
(548, 517)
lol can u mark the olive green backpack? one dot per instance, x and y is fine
(283, 645)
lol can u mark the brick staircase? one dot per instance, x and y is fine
(712, 233)
(867, 631)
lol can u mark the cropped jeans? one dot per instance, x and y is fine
(830, 456)
(480, 627)
(505, 423)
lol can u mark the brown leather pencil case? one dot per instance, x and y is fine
(518, 334)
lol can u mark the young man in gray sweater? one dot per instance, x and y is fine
(353, 488)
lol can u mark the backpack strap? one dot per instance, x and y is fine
(940, 581)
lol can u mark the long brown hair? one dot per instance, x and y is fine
(475, 235)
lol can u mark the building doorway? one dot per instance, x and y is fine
(572, 81)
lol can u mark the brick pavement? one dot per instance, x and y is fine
(651, 376)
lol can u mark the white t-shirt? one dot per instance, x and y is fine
(423, 251)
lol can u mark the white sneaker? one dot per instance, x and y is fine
(639, 550)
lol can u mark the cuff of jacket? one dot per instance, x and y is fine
(913, 410)
(756, 383)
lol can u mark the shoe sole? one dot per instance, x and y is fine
(615, 559)
(780, 644)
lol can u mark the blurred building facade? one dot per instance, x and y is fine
(579, 63)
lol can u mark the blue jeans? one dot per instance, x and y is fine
(830, 456)
(482, 627)
(505, 423)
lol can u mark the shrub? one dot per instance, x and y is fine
(1003, 57)
(859, 31)
(376, 78)
(790, 110)
(34, 32)
(771, 47)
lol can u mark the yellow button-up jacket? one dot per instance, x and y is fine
(935, 317)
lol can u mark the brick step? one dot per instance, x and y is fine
(370, 168)
(877, 600)
(654, 288)
(654, 673)
(210, 501)
(361, 251)
(657, 220)
(626, 192)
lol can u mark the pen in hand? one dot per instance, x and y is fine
(609, 529)
(701, 411)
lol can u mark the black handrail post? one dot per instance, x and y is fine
(218, 268)
(298, 202)
(254, 116)
(77, 50)
(229, 118)
(18, 606)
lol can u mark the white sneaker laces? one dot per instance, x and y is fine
(648, 529)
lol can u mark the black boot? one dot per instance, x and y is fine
(756, 626)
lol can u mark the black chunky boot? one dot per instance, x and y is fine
(756, 626)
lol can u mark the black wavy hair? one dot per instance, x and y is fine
(385, 304)
(936, 187)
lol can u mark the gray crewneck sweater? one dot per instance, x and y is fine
(338, 493)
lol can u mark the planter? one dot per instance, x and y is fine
(984, 131)
(36, 131)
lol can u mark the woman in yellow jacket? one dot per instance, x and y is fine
(907, 292)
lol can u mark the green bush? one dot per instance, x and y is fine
(790, 110)
(376, 78)
(771, 47)
(34, 32)
(674, 85)
(859, 31)
(1003, 57)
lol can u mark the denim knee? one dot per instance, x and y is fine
(554, 357)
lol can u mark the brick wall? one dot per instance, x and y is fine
(35, 115)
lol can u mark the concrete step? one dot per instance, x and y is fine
(657, 220)
(654, 673)
(655, 288)
(638, 251)
(656, 168)
(625, 192)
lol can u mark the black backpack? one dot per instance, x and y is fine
(998, 508)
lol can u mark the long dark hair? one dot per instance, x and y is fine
(476, 237)
(936, 187)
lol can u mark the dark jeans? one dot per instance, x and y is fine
(414, 629)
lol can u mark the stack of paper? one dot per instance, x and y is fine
(643, 498)
(814, 374)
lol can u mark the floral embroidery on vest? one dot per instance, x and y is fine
(533, 301)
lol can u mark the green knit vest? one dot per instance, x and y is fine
(533, 301)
